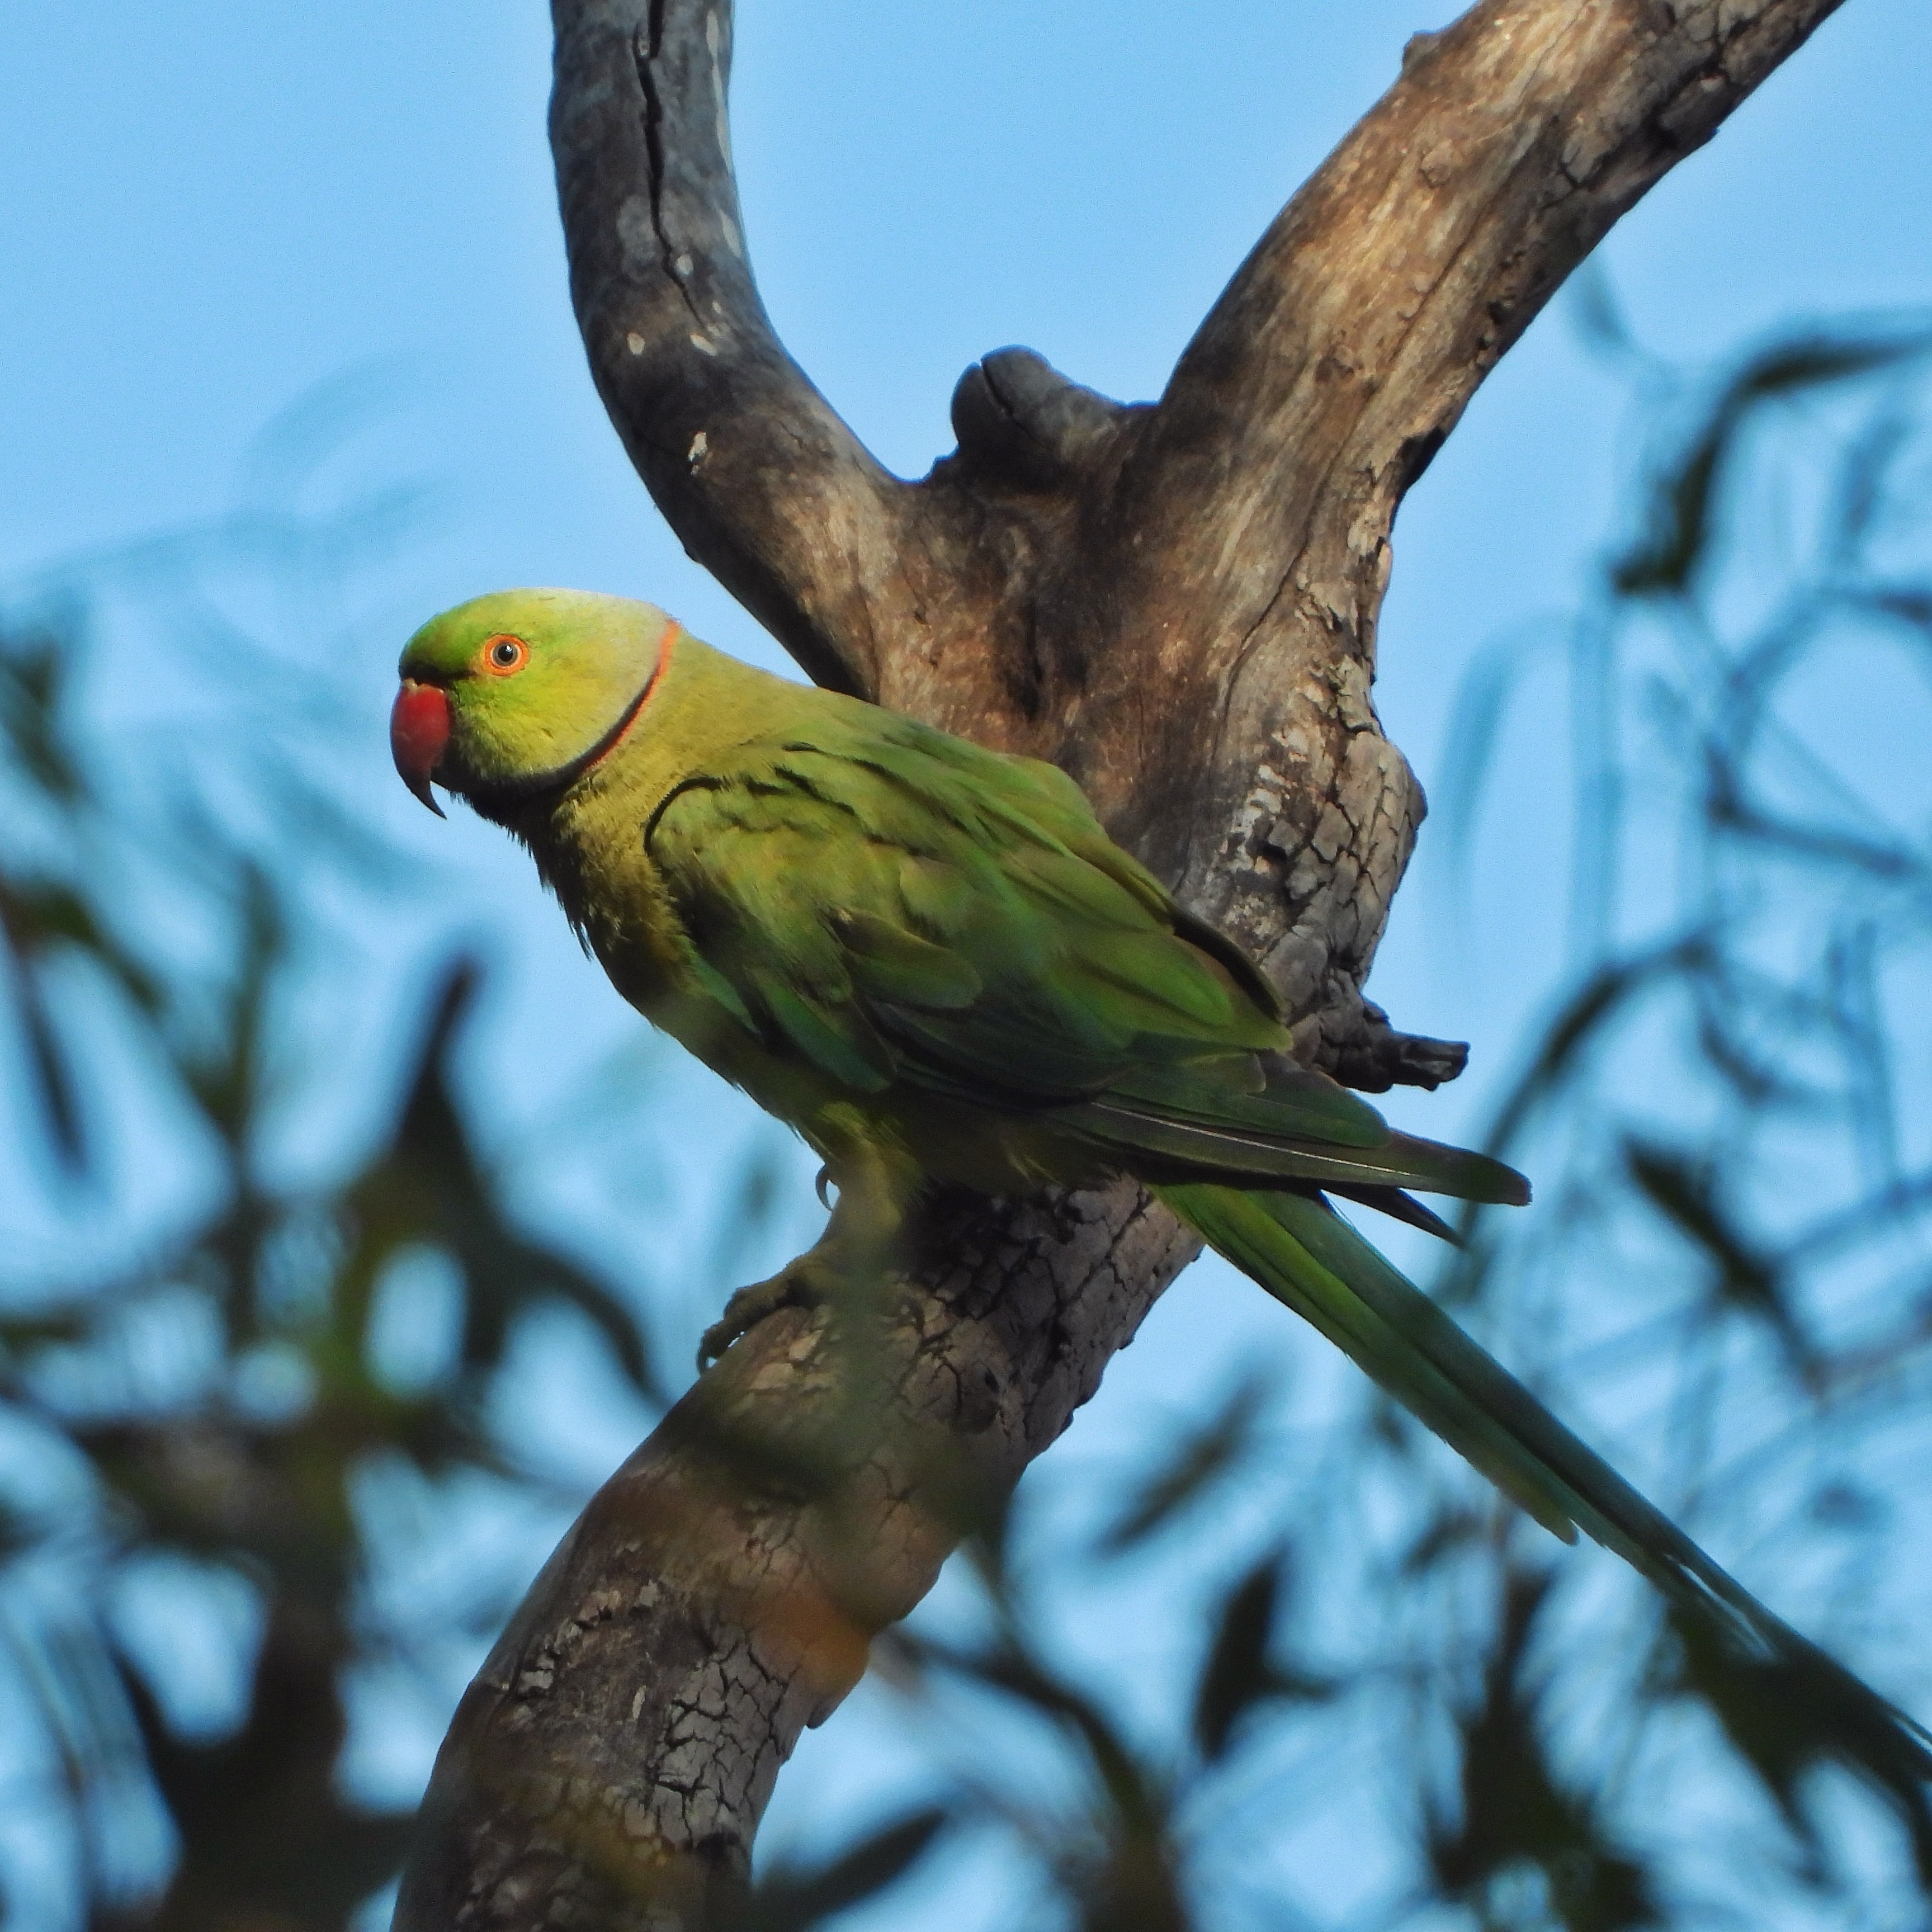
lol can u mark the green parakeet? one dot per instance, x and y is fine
(929, 959)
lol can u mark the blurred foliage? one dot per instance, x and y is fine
(200, 1439)
(1400, 1705)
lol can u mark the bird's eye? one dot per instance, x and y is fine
(506, 654)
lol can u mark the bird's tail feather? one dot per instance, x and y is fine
(1298, 1248)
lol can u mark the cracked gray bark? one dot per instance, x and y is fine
(1177, 602)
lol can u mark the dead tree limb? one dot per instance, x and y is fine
(1175, 601)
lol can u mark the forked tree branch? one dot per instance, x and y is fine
(1177, 602)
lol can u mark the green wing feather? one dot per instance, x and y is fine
(897, 906)
(923, 911)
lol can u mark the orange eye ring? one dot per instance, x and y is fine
(503, 655)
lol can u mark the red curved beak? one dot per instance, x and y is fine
(418, 730)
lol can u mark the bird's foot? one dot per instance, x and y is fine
(807, 1282)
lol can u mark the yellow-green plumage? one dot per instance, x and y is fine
(838, 908)
(930, 960)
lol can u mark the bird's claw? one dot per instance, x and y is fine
(799, 1286)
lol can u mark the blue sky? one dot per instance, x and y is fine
(220, 216)
(216, 215)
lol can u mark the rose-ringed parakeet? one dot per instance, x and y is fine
(929, 959)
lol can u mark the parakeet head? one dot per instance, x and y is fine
(517, 693)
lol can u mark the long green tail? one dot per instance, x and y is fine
(1298, 1248)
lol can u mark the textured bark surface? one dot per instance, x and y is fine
(1177, 602)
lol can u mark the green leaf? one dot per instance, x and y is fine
(428, 1186)
(1516, 1813)
(1237, 1676)
(1683, 1190)
(33, 677)
(52, 1082)
(790, 1901)
(1603, 999)
(1199, 1460)
(1786, 1714)
(1680, 519)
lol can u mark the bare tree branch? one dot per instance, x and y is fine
(1178, 603)
(616, 1750)
(765, 484)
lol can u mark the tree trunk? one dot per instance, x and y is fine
(1176, 602)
